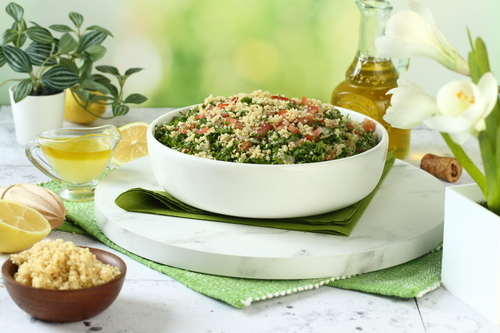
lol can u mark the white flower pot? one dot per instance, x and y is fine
(35, 114)
(471, 251)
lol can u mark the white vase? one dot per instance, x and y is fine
(471, 251)
(35, 114)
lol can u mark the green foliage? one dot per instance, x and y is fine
(489, 140)
(64, 62)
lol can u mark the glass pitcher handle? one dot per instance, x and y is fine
(33, 157)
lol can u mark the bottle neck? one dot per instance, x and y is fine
(374, 15)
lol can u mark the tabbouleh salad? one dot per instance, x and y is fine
(261, 128)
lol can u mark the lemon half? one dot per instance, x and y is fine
(20, 226)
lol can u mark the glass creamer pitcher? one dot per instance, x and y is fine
(76, 157)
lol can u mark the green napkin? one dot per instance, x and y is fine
(340, 222)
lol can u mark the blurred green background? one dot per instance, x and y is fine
(193, 48)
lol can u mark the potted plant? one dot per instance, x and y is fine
(54, 64)
(463, 109)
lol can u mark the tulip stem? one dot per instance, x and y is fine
(466, 162)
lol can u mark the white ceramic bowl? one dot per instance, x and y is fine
(266, 191)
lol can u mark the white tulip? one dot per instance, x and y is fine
(412, 33)
(463, 106)
(410, 105)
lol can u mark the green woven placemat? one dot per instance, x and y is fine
(412, 279)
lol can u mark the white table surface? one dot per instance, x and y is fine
(153, 302)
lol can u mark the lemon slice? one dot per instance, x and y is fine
(20, 226)
(133, 143)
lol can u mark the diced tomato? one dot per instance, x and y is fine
(280, 98)
(306, 101)
(264, 129)
(222, 106)
(203, 130)
(245, 145)
(313, 109)
(199, 116)
(301, 120)
(282, 112)
(330, 155)
(234, 99)
(292, 128)
(234, 122)
(315, 135)
(368, 125)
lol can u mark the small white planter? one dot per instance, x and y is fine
(35, 114)
(471, 251)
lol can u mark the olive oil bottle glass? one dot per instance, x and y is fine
(370, 76)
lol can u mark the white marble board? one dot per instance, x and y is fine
(403, 221)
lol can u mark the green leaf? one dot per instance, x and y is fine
(60, 78)
(135, 99)
(3, 61)
(38, 54)
(100, 29)
(119, 109)
(131, 71)
(99, 78)
(76, 18)
(22, 90)
(108, 69)
(15, 11)
(61, 28)
(67, 44)
(68, 64)
(94, 86)
(17, 59)
(481, 55)
(9, 36)
(91, 38)
(96, 52)
(113, 91)
(40, 35)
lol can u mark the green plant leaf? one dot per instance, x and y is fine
(108, 69)
(9, 36)
(15, 11)
(99, 78)
(61, 28)
(3, 61)
(100, 29)
(119, 109)
(22, 90)
(68, 64)
(67, 44)
(60, 78)
(90, 38)
(134, 70)
(94, 86)
(76, 18)
(135, 99)
(17, 59)
(38, 54)
(40, 35)
(96, 52)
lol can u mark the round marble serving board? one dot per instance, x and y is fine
(403, 221)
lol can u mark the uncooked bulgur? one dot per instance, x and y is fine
(262, 128)
(61, 265)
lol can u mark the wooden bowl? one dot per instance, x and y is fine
(65, 305)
